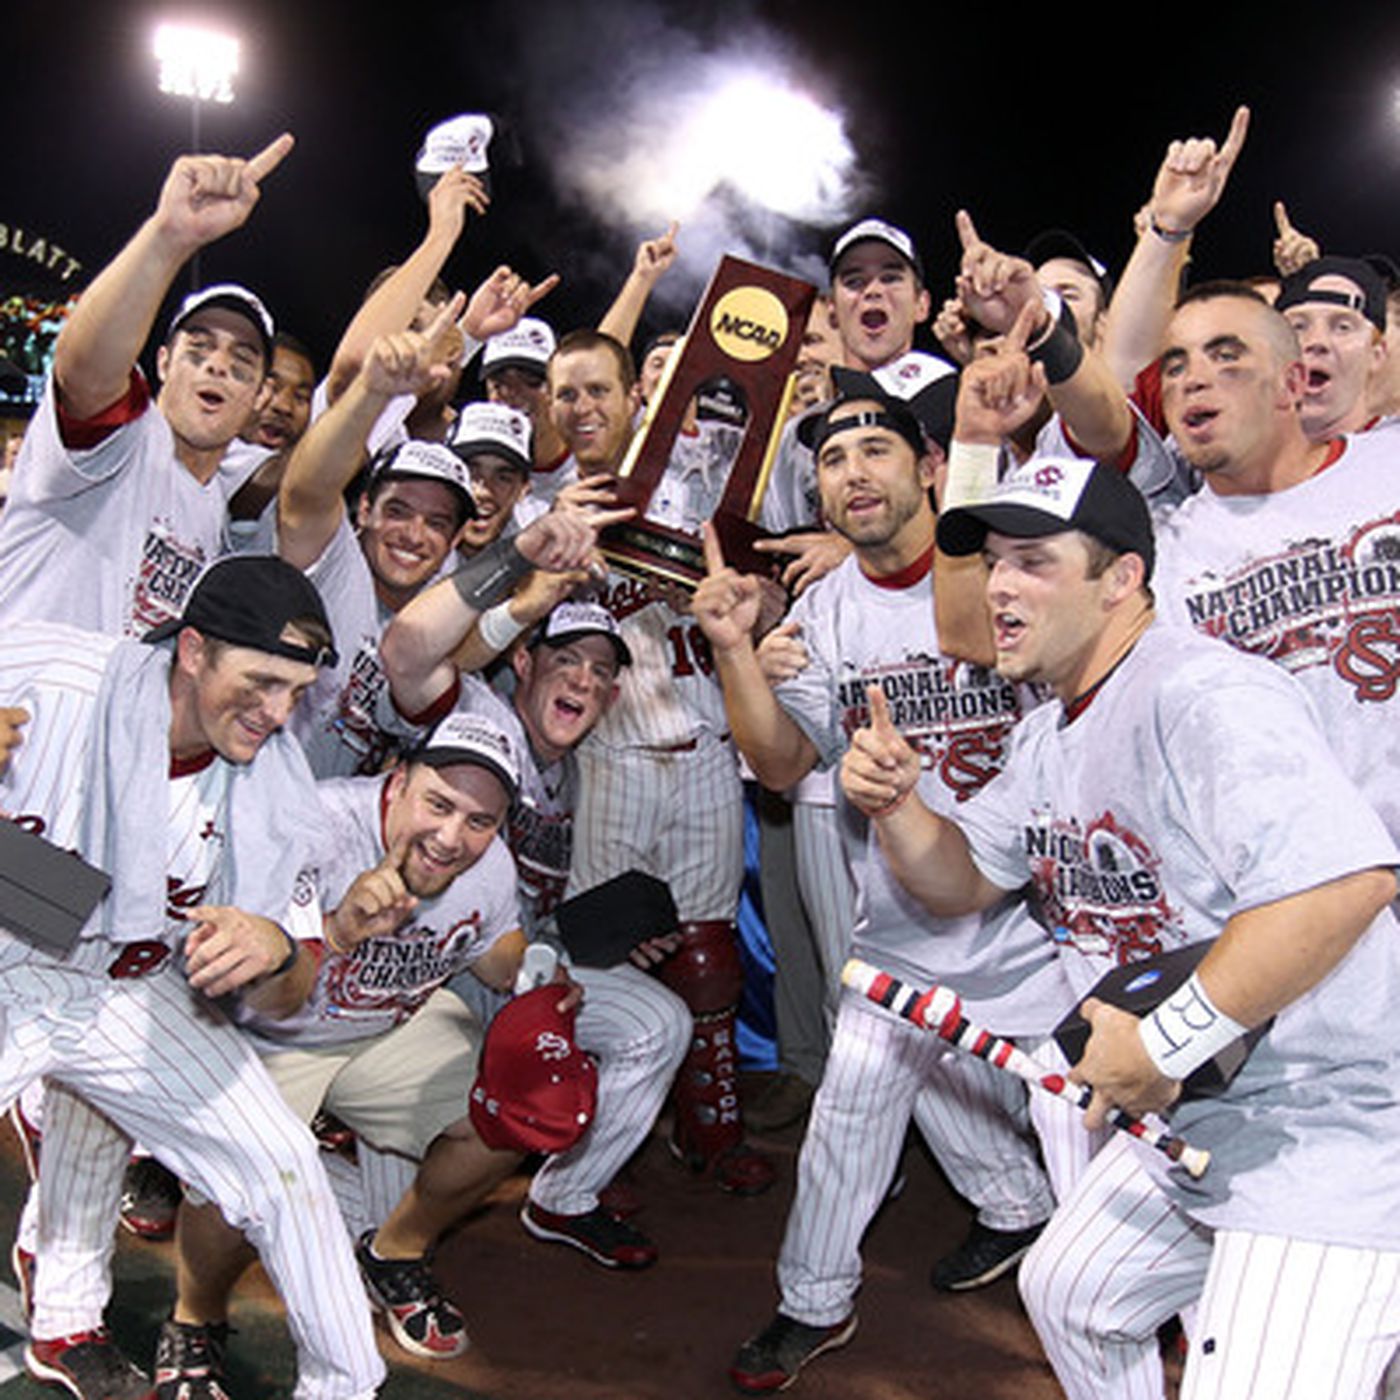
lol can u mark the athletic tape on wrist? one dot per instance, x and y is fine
(1059, 351)
(491, 575)
(497, 628)
(972, 473)
(1186, 1030)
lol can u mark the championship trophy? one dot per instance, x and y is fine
(706, 447)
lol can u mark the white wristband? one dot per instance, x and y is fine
(497, 628)
(1186, 1030)
(972, 473)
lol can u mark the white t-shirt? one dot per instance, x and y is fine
(1196, 785)
(383, 981)
(107, 538)
(347, 723)
(959, 717)
(1309, 578)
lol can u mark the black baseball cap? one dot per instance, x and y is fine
(1368, 299)
(1061, 243)
(933, 405)
(893, 413)
(1048, 495)
(248, 600)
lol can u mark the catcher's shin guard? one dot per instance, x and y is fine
(707, 973)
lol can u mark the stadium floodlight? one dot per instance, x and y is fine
(196, 63)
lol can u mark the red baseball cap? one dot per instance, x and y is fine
(535, 1090)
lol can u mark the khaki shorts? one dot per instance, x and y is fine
(397, 1090)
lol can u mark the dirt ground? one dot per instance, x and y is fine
(548, 1324)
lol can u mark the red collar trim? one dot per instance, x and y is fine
(1335, 448)
(550, 466)
(183, 767)
(908, 576)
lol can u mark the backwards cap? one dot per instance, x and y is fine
(248, 600)
(1368, 299)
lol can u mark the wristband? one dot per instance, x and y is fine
(328, 936)
(492, 575)
(1169, 235)
(972, 473)
(498, 628)
(895, 803)
(1059, 351)
(1186, 1030)
(293, 950)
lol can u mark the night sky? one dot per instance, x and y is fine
(1062, 125)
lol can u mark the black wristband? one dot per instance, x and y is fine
(1170, 235)
(293, 952)
(1061, 352)
(491, 575)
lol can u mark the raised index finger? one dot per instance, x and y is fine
(270, 157)
(714, 555)
(1239, 126)
(542, 289)
(967, 230)
(1281, 219)
(1019, 335)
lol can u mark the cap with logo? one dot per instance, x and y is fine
(1048, 495)
(492, 427)
(428, 461)
(248, 600)
(569, 621)
(231, 297)
(463, 140)
(527, 345)
(469, 738)
(877, 231)
(535, 1090)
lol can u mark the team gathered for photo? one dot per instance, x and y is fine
(387, 799)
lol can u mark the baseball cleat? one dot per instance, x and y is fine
(190, 1361)
(422, 1320)
(771, 1360)
(985, 1255)
(606, 1240)
(88, 1365)
(150, 1199)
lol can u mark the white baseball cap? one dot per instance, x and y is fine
(527, 345)
(492, 427)
(462, 737)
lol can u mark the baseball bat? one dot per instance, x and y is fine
(940, 1010)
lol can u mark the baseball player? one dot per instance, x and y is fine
(182, 733)
(869, 624)
(1151, 810)
(660, 789)
(416, 509)
(514, 366)
(1290, 550)
(566, 675)
(417, 887)
(117, 502)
